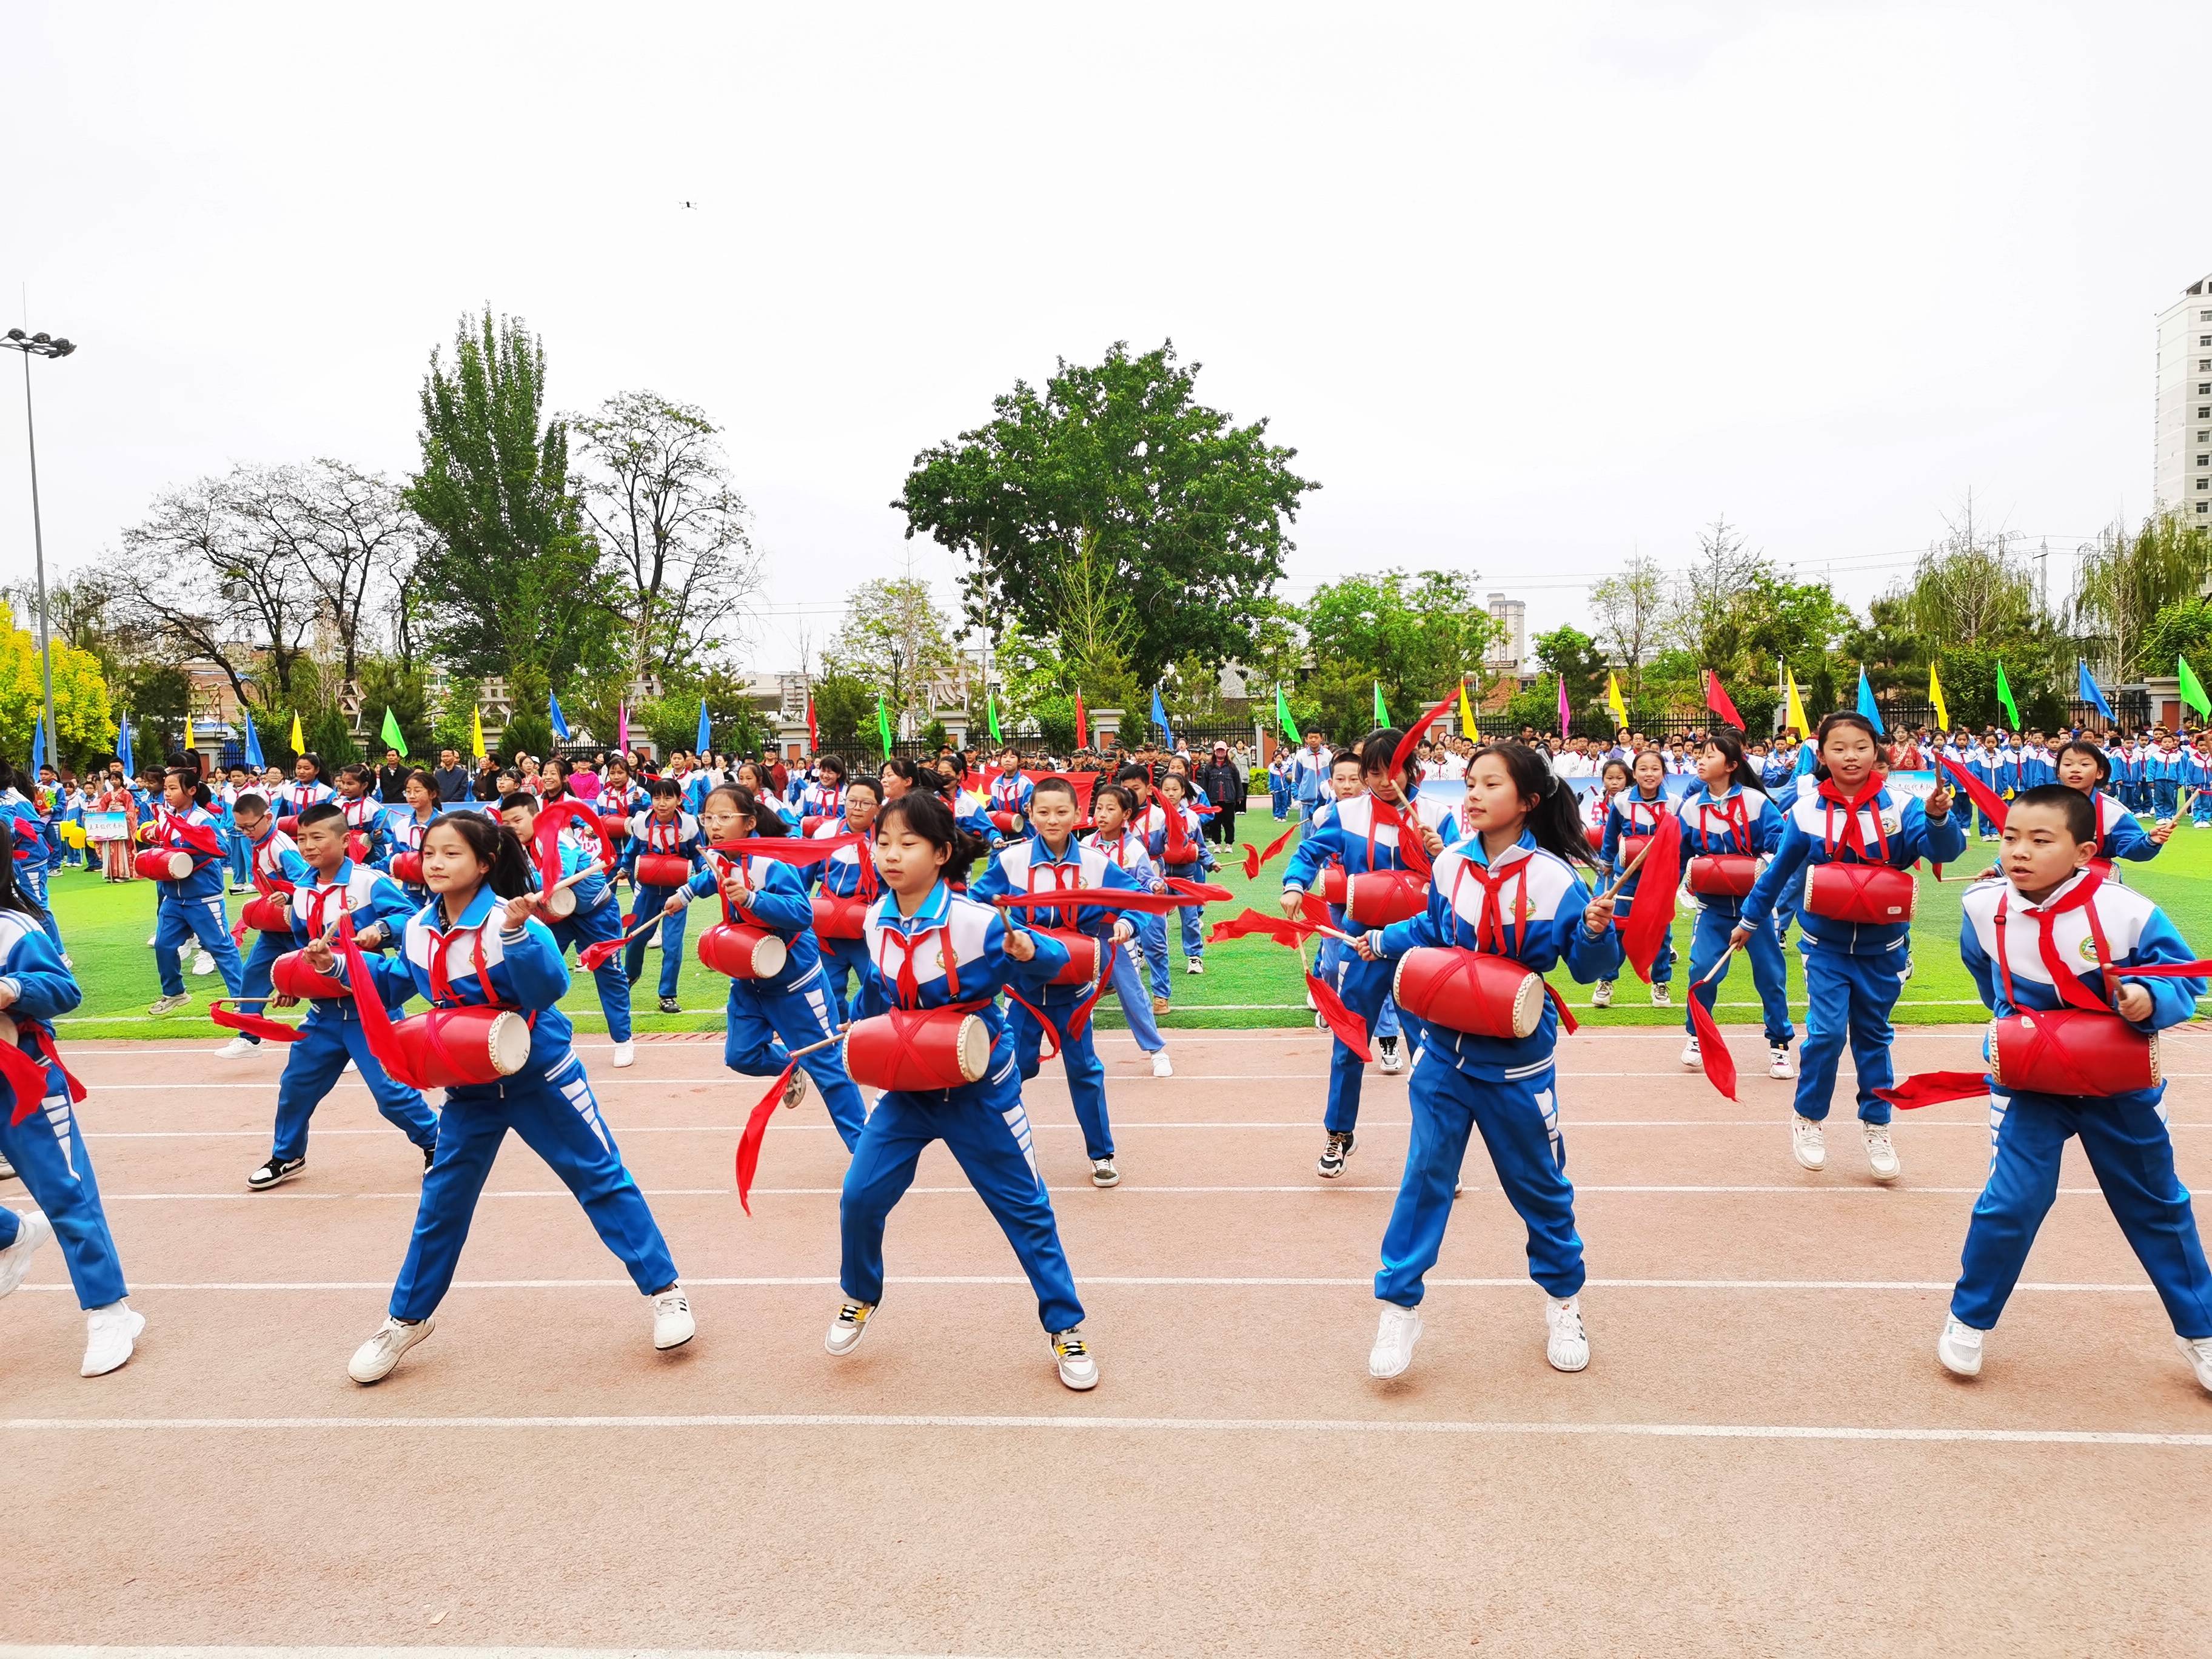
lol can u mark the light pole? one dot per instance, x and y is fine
(39, 345)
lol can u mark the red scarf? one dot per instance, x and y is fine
(1491, 925)
(1853, 838)
(2071, 991)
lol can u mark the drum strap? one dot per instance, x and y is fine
(318, 899)
(1064, 877)
(2071, 991)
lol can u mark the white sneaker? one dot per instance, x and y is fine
(16, 1260)
(795, 1091)
(153, 939)
(625, 1054)
(351, 1066)
(170, 1005)
(7, 1171)
(1691, 1058)
(1071, 1355)
(203, 965)
(672, 1324)
(373, 1361)
(1194, 966)
(1959, 1348)
(653, 939)
(1400, 1327)
(2197, 1350)
(1662, 997)
(111, 1333)
(1778, 1063)
(1808, 1142)
(1393, 1052)
(238, 1048)
(1882, 1152)
(1566, 1343)
(850, 1325)
(1104, 1174)
(1602, 997)
(1162, 1065)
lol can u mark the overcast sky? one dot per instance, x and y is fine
(1527, 287)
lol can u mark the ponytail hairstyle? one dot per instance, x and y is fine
(926, 815)
(355, 772)
(1837, 721)
(507, 869)
(13, 898)
(1739, 772)
(1552, 816)
(765, 824)
(760, 785)
(201, 796)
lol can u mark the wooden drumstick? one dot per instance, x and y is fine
(1614, 886)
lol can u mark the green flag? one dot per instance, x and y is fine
(2192, 689)
(884, 724)
(1283, 721)
(1382, 714)
(2004, 696)
(393, 738)
(991, 715)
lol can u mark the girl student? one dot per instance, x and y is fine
(596, 919)
(364, 813)
(661, 830)
(2085, 767)
(1508, 889)
(929, 947)
(1613, 778)
(1729, 813)
(1858, 940)
(1111, 809)
(755, 777)
(1631, 818)
(404, 831)
(850, 872)
(1175, 836)
(795, 1008)
(47, 1148)
(478, 943)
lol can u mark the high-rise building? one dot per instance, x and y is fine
(1508, 648)
(2182, 462)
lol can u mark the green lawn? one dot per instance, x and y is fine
(1249, 982)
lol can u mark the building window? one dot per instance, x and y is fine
(2204, 412)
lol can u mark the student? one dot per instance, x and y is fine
(1010, 790)
(364, 813)
(332, 1036)
(1174, 839)
(1630, 819)
(192, 908)
(1363, 832)
(1510, 890)
(759, 779)
(27, 834)
(2198, 777)
(306, 788)
(824, 798)
(404, 831)
(1726, 813)
(620, 794)
(478, 943)
(1111, 808)
(1051, 859)
(1152, 939)
(1279, 784)
(769, 1017)
(1613, 778)
(273, 863)
(1854, 970)
(928, 947)
(850, 872)
(2053, 934)
(597, 919)
(663, 829)
(2085, 768)
(2164, 768)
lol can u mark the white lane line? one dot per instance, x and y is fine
(775, 1281)
(1307, 1188)
(289, 1652)
(1302, 1125)
(1278, 1425)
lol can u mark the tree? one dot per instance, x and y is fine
(331, 735)
(1415, 637)
(2181, 628)
(659, 498)
(350, 533)
(1113, 506)
(841, 703)
(1566, 653)
(510, 584)
(2126, 581)
(386, 682)
(84, 726)
(1631, 611)
(1970, 591)
(895, 639)
(1710, 612)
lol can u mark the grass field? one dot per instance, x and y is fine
(1249, 982)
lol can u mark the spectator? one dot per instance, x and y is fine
(487, 780)
(451, 777)
(391, 776)
(1225, 786)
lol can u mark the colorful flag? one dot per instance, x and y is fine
(1717, 700)
(813, 731)
(38, 746)
(2192, 689)
(1467, 716)
(298, 742)
(990, 716)
(706, 732)
(1936, 697)
(884, 724)
(622, 723)
(393, 736)
(123, 748)
(1867, 706)
(554, 719)
(1567, 716)
(1284, 723)
(190, 746)
(476, 732)
(254, 757)
(1083, 722)
(1795, 715)
(1382, 714)
(1612, 700)
(1160, 717)
(2085, 689)
(2004, 696)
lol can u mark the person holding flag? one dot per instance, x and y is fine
(1729, 817)
(191, 907)
(1632, 819)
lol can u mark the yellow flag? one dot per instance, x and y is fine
(1794, 716)
(476, 733)
(1613, 702)
(188, 734)
(298, 743)
(1936, 697)
(1467, 716)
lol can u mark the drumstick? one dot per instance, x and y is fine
(1631, 870)
(1714, 972)
(829, 1042)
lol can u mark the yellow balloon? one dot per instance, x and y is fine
(73, 834)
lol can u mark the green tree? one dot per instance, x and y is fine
(2126, 581)
(842, 704)
(83, 726)
(2182, 627)
(1415, 636)
(895, 639)
(511, 584)
(528, 733)
(1113, 511)
(1631, 611)
(329, 734)
(1568, 653)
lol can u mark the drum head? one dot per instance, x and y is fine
(769, 956)
(1529, 1007)
(509, 1040)
(974, 1048)
(561, 903)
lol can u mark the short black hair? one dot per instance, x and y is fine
(516, 797)
(1058, 786)
(249, 802)
(322, 812)
(2076, 808)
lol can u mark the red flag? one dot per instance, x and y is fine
(1412, 740)
(1712, 1049)
(1717, 700)
(1932, 1088)
(813, 732)
(1082, 723)
(749, 1143)
(1281, 929)
(1254, 860)
(1341, 1020)
(1651, 911)
(252, 1025)
(1984, 798)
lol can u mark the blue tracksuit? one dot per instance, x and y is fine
(1021, 867)
(272, 862)
(1353, 834)
(769, 1017)
(548, 1103)
(1853, 974)
(1985, 766)
(2162, 769)
(403, 832)
(1527, 904)
(676, 837)
(1629, 822)
(2198, 777)
(596, 919)
(1127, 852)
(193, 907)
(294, 798)
(2120, 835)
(1196, 860)
(1738, 821)
(983, 1124)
(1278, 791)
(1010, 793)
(2124, 1135)
(332, 1034)
(32, 858)
(47, 1148)
(849, 873)
(1308, 780)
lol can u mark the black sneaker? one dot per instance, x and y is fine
(275, 1173)
(1333, 1155)
(669, 1005)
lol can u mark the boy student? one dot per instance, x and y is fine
(332, 1035)
(663, 829)
(1111, 808)
(2164, 768)
(1344, 784)
(2053, 935)
(191, 909)
(272, 861)
(596, 919)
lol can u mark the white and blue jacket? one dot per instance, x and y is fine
(194, 831)
(1021, 867)
(778, 901)
(1709, 828)
(1900, 822)
(974, 934)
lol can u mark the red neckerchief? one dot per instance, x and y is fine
(722, 866)
(1120, 850)
(1734, 817)
(1853, 838)
(1491, 925)
(655, 830)
(1065, 876)
(908, 988)
(1633, 799)
(1176, 848)
(1413, 851)
(318, 898)
(2071, 991)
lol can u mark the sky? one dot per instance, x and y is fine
(1530, 289)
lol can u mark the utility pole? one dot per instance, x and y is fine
(42, 345)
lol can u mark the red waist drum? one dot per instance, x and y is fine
(918, 1049)
(662, 870)
(2071, 1051)
(743, 951)
(289, 975)
(808, 826)
(454, 1048)
(561, 904)
(160, 864)
(1723, 875)
(1377, 898)
(1006, 823)
(1866, 894)
(1083, 956)
(615, 824)
(270, 913)
(407, 869)
(836, 917)
(1469, 991)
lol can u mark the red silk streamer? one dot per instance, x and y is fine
(1933, 1088)
(1315, 908)
(787, 849)
(1984, 798)
(749, 1143)
(1566, 1014)
(375, 1018)
(1712, 1049)
(1179, 894)
(1254, 860)
(547, 838)
(1347, 1026)
(1651, 912)
(1412, 740)
(252, 1025)
(24, 1076)
(1281, 930)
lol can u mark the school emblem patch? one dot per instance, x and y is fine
(2089, 948)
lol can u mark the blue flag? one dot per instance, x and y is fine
(253, 756)
(553, 718)
(123, 748)
(1160, 715)
(2088, 692)
(1867, 704)
(38, 747)
(706, 732)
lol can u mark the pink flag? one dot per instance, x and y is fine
(621, 728)
(1566, 717)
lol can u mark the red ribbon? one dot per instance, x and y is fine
(26, 1076)
(547, 837)
(1254, 858)
(1347, 1026)
(252, 1025)
(1712, 1049)
(1412, 740)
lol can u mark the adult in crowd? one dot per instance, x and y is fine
(486, 786)
(451, 777)
(392, 778)
(1225, 786)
